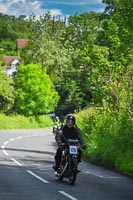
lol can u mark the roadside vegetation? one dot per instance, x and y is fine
(84, 67)
(9, 122)
(109, 139)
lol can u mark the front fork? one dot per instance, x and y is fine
(72, 163)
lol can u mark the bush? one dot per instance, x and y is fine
(109, 138)
(124, 163)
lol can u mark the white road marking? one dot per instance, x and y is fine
(27, 136)
(30, 172)
(38, 177)
(3, 146)
(19, 137)
(67, 195)
(6, 142)
(12, 139)
(5, 152)
(15, 161)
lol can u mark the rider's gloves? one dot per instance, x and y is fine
(61, 145)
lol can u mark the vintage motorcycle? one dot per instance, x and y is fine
(56, 128)
(69, 161)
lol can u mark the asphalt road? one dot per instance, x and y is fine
(26, 159)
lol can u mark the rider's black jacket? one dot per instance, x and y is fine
(68, 133)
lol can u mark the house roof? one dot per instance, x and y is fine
(21, 43)
(8, 59)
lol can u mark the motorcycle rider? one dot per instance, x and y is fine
(68, 131)
(57, 124)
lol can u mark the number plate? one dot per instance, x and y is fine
(73, 150)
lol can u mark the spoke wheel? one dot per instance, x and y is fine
(73, 171)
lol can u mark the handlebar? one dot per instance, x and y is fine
(72, 141)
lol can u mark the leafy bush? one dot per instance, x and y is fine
(35, 92)
(6, 92)
(124, 163)
(109, 138)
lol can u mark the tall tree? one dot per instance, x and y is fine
(119, 29)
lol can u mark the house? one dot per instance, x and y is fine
(12, 63)
(21, 43)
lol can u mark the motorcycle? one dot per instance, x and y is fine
(56, 128)
(69, 162)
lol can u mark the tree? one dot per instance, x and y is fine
(6, 92)
(35, 93)
(117, 35)
(118, 28)
(82, 29)
(46, 46)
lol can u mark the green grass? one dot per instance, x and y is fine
(21, 122)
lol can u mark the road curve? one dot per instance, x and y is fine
(26, 159)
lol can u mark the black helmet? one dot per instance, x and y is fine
(70, 117)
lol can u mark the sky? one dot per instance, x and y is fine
(55, 7)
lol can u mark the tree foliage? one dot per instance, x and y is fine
(93, 46)
(6, 92)
(35, 93)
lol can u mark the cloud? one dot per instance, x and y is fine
(25, 7)
(55, 7)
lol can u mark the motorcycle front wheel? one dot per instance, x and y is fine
(60, 178)
(73, 171)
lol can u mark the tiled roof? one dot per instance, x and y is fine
(21, 43)
(8, 59)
